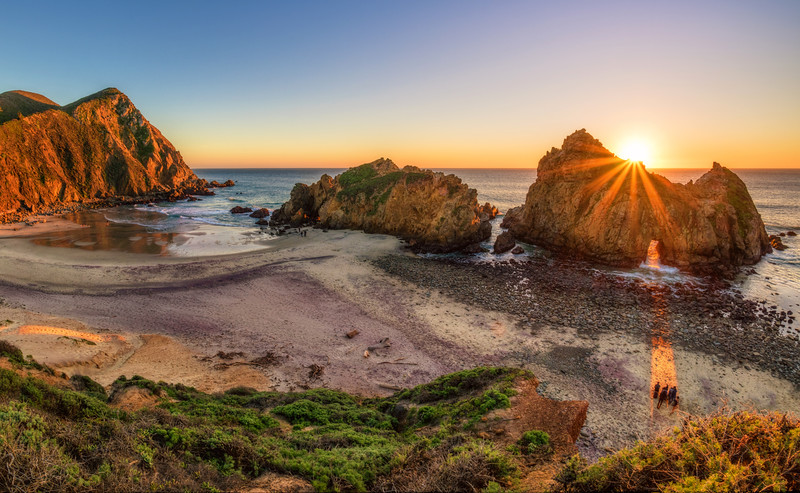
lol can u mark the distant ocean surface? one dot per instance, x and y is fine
(776, 194)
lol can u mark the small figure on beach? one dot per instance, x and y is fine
(662, 396)
(674, 404)
(673, 392)
(655, 390)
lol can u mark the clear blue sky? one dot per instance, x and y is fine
(436, 84)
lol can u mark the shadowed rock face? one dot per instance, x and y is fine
(97, 147)
(436, 212)
(588, 202)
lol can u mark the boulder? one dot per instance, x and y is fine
(260, 213)
(262, 222)
(489, 210)
(776, 242)
(591, 203)
(228, 183)
(433, 211)
(474, 248)
(517, 250)
(240, 210)
(504, 242)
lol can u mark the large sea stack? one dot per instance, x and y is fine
(95, 148)
(590, 203)
(434, 211)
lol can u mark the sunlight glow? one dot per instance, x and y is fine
(636, 150)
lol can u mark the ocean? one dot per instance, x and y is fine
(207, 227)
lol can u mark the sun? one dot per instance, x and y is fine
(635, 150)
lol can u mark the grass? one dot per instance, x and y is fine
(742, 451)
(71, 439)
(365, 180)
(19, 104)
(459, 399)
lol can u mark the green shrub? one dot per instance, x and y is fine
(742, 451)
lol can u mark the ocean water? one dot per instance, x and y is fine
(186, 228)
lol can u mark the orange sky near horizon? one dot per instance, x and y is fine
(442, 84)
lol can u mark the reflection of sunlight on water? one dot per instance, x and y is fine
(106, 235)
(58, 331)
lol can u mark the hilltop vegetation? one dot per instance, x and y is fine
(71, 435)
(743, 451)
(57, 438)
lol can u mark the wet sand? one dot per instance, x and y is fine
(263, 319)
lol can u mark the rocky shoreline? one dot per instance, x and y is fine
(706, 316)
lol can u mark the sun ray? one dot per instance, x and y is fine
(608, 198)
(662, 215)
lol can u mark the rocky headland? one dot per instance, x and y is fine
(99, 150)
(433, 211)
(588, 202)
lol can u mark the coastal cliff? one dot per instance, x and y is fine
(590, 203)
(434, 211)
(94, 149)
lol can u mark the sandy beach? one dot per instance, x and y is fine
(278, 318)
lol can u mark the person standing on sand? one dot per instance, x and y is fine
(674, 404)
(655, 390)
(662, 396)
(673, 392)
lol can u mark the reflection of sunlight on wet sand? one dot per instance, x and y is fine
(662, 359)
(662, 364)
(58, 331)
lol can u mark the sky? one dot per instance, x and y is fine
(430, 83)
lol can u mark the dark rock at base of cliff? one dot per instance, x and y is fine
(262, 222)
(517, 250)
(504, 242)
(240, 210)
(260, 213)
(474, 248)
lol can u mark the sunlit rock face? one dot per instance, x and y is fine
(96, 147)
(588, 202)
(434, 211)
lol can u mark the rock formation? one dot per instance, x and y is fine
(588, 202)
(95, 148)
(504, 242)
(434, 211)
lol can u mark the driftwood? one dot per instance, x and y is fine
(398, 361)
(389, 386)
